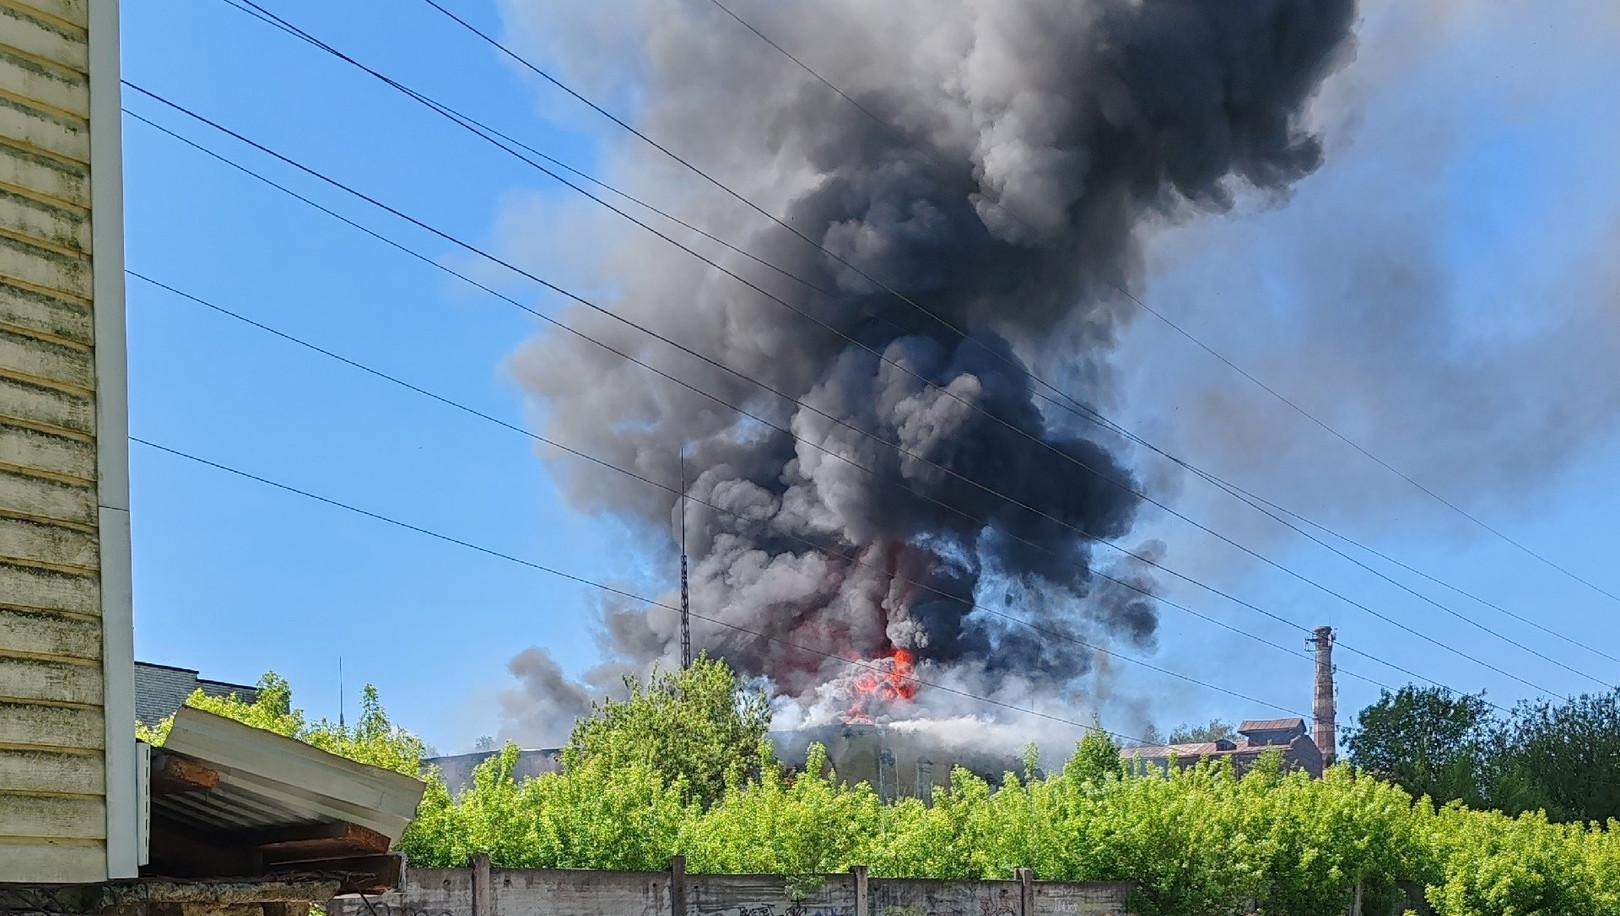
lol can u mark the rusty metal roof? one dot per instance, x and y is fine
(228, 799)
(266, 780)
(1271, 725)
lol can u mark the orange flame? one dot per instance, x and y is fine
(883, 682)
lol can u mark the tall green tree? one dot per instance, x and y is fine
(1427, 739)
(1562, 758)
(699, 729)
(1214, 730)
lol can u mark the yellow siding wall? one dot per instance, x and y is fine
(53, 792)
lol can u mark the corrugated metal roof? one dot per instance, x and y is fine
(1271, 725)
(267, 781)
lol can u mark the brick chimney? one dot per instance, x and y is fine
(1322, 709)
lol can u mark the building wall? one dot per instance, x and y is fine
(160, 690)
(67, 756)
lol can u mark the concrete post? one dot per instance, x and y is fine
(677, 885)
(1026, 892)
(483, 891)
(862, 906)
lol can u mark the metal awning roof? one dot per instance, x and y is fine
(227, 798)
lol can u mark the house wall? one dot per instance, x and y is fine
(67, 755)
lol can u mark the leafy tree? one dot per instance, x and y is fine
(1214, 730)
(1428, 740)
(700, 729)
(484, 743)
(1095, 757)
(1563, 758)
(373, 739)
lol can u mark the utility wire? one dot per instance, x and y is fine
(610, 589)
(473, 249)
(740, 410)
(966, 603)
(1296, 407)
(266, 16)
(473, 126)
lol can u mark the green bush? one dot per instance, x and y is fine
(1199, 841)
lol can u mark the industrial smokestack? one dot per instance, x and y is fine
(1322, 710)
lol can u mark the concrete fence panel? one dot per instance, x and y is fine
(482, 891)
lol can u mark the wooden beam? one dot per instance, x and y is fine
(308, 842)
(172, 775)
(356, 874)
(355, 841)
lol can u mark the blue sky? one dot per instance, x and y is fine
(236, 579)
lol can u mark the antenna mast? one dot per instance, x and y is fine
(686, 609)
(340, 691)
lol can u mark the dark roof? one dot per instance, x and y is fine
(1271, 725)
(1300, 753)
(457, 769)
(160, 690)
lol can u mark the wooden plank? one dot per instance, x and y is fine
(61, 227)
(48, 406)
(71, 12)
(62, 816)
(317, 841)
(60, 89)
(39, 679)
(49, 361)
(58, 136)
(49, 589)
(49, 634)
(372, 874)
(172, 775)
(24, 310)
(47, 500)
(21, 539)
(53, 453)
(48, 861)
(27, 172)
(45, 270)
(51, 771)
(52, 727)
(42, 38)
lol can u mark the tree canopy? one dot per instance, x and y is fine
(1213, 730)
(373, 739)
(1562, 758)
(699, 729)
(1428, 739)
(1195, 842)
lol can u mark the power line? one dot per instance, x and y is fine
(473, 126)
(1269, 390)
(608, 313)
(602, 586)
(1065, 456)
(966, 603)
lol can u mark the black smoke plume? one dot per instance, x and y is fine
(1010, 155)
